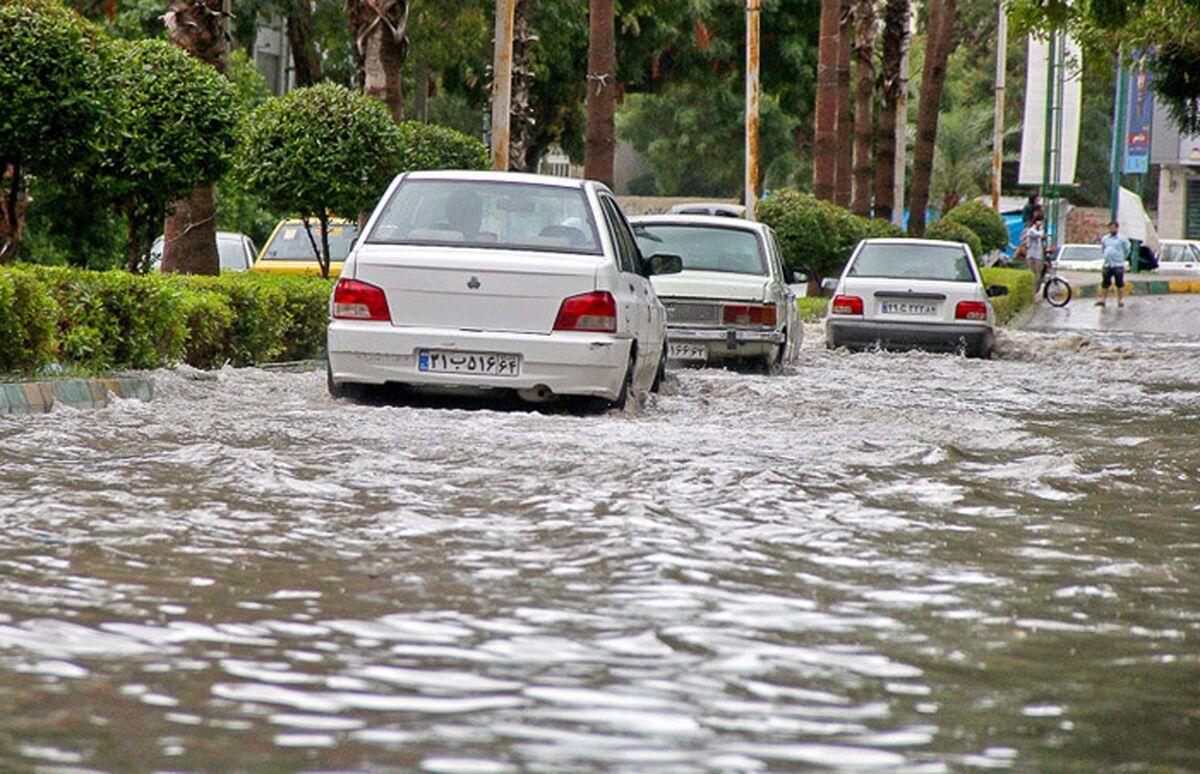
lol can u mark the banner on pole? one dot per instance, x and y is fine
(1033, 131)
(1139, 119)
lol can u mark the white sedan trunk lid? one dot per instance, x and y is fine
(481, 289)
(910, 301)
(717, 285)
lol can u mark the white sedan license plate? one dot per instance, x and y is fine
(909, 308)
(677, 351)
(481, 363)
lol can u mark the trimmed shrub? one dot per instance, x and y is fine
(984, 221)
(1021, 287)
(27, 319)
(816, 234)
(429, 147)
(950, 231)
(306, 302)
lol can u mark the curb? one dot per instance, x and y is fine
(41, 397)
(1146, 288)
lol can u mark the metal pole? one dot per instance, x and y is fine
(1048, 136)
(502, 83)
(1118, 135)
(901, 166)
(998, 118)
(752, 94)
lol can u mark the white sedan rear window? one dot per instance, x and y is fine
(464, 213)
(918, 261)
(705, 248)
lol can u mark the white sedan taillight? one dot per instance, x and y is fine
(970, 310)
(354, 300)
(588, 312)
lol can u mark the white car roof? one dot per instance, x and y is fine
(1083, 244)
(911, 241)
(497, 177)
(710, 221)
(1179, 241)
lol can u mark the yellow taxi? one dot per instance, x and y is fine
(289, 250)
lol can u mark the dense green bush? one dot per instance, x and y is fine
(1021, 286)
(429, 146)
(950, 231)
(27, 315)
(987, 224)
(817, 234)
(101, 321)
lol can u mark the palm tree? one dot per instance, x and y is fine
(200, 27)
(933, 81)
(301, 34)
(599, 144)
(895, 39)
(864, 106)
(845, 122)
(380, 30)
(826, 110)
(962, 161)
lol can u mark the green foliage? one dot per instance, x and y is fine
(48, 65)
(27, 314)
(817, 234)
(100, 321)
(321, 150)
(429, 146)
(812, 308)
(692, 133)
(172, 121)
(984, 221)
(1021, 286)
(951, 231)
(64, 227)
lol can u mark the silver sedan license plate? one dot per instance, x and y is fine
(909, 308)
(684, 351)
(481, 363)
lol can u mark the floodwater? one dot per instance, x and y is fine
(878, 560)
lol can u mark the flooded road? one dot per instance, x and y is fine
(893, 560)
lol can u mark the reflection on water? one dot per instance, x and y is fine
(878, 560)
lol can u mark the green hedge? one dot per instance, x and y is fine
(99, 321)
(987, 224)
(815, 234)
(1021, 287)
(950, 231)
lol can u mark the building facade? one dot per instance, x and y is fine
(1178, 154)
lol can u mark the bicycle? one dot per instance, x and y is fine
(1056, 290)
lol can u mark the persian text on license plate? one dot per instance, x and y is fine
(482, 363)
(909, 308)
(687, 352)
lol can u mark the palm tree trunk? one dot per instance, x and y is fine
(826, 109)
(599, 145)
(380, 29)
(521, 135)
(13, 203)
(933, 79)
(895, 35)
(845, 124)
(864, 107)
(200, 27)
(301, 34)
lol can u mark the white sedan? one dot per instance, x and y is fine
(912, 293)
(733, 300)
(484, 281)
(1181, 255)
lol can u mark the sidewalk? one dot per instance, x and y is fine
(1145, 283)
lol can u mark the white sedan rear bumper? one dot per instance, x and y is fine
(590, 364)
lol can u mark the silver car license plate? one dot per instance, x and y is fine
(481, 363)
(684, 351)
(909, 308)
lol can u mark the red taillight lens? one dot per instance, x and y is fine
(970, 310)
(588, 312)
(736, 314)
(846, 305)
(354, 300)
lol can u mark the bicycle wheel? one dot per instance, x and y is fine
(1057, 292)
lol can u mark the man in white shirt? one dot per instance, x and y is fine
(1116, 248)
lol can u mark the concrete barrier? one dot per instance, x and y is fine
(40, 397)
(1135, 287)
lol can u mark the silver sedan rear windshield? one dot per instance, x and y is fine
(501, 215)
(916, 261)
(705, 248)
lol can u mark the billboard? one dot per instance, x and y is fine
(1033, 132)
(1139, 119)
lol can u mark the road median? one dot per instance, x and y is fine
(39, 397)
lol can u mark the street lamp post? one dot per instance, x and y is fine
(753, 12)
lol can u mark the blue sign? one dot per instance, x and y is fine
(1139, 119)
